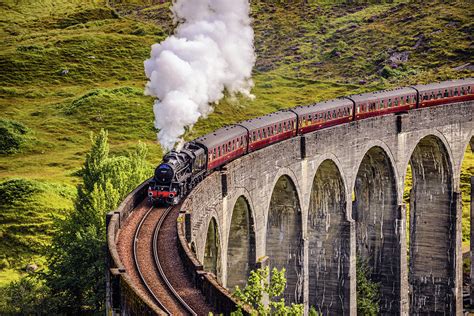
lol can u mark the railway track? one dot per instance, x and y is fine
(158, 227)
(148, 265)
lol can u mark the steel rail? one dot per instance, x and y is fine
(159, 266)
(135, 239)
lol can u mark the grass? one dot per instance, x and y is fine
(70, 67)
(26, 221)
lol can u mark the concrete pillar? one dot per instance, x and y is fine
(433, 227)
(328, 242)
(304, 185)
(240, 247)
(401, 232)
(458, 300)
(212, 252)
(472, 241)
(353, 271)
(376, 215)
(284, 242)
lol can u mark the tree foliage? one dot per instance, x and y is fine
(260, 288)
(367, 291)
(26, 296)
(77, 255)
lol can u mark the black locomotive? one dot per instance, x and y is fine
(177, 174)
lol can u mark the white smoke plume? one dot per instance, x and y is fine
(211, 51)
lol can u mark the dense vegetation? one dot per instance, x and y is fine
(73, 279)
(71, 66)
(263, 286)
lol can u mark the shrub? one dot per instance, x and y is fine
(367, 291)
(13, 135)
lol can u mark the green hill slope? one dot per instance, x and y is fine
(71, 67)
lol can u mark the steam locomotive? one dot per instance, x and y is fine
(181, 171)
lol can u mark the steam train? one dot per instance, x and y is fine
(181, 171)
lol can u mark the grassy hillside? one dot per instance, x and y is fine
(71, 67)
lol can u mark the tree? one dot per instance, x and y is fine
(258, 287)
(76, 272)
(367, 291)
(26, 296)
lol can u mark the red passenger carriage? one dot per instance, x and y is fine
(445, 92)
(269, 129)
(224, 145)
(323, 114)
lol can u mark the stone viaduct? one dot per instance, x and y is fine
(319, 204)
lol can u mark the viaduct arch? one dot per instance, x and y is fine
(346, 205)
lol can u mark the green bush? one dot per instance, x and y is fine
(28, 296)
(259, 285)
(13, 135)
(368, 296)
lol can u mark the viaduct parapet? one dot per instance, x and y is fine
(319, 204)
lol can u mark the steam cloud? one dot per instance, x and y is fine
(211, 51)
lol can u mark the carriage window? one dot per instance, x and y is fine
(456, 91)
(462, 91)
(446, 93)
(254, 136)
(279, 128)
(218, 151)
(389, 103)
(264, 133)
(358, 109)
(425, 97)
(439, 95)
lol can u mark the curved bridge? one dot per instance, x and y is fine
(319, 203)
